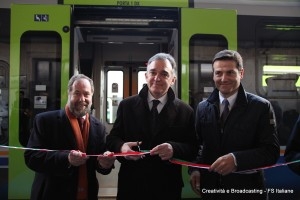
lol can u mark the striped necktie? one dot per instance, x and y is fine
(225, 111)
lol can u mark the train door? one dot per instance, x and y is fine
(213, 30)
(216, 30)
(113, 50)
(122, 80)
(39, 72)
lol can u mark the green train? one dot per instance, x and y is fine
(111, 41)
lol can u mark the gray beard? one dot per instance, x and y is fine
(80, 113)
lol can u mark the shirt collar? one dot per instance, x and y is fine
(230, 99)
(162, 99)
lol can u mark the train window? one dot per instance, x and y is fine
(278, 55)
(203, 47)
(4, 68)
(114, 94)
(141, 79)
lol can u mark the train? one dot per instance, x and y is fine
(111, 41)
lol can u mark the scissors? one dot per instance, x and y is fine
(138, 146)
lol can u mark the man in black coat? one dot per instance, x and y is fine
(152, 176)
(65, 171)
(245, 139)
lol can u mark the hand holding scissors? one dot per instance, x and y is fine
(130, 147)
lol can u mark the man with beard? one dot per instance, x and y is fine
(64, 170)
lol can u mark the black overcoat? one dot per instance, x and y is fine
(54, 179)
(150, 177)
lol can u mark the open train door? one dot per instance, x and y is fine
(39, 66)
(203, 33)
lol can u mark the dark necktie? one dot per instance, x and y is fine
(225, 111)
(80, 122)
(154, 114)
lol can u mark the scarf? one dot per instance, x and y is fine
(81, 141)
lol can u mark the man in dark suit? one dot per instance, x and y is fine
(152, 176)
(67, 172)
(244, 140)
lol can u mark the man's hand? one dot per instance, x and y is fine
(195, 182)
(164, 151)
(77, 158)
(224, 165)
(106, 160)
(128, 147)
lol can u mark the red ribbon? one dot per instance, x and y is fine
(189, 164)
(134, 153)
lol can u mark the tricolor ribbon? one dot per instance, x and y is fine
(206, 166)
(134, 153)
(25, 148)
(174, 161)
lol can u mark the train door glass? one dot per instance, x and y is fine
(202, 50)
(39, 87)
(141, 79)
(121, 83)
(115, 80)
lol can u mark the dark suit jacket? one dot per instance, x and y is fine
(54, 179)
(249, 133)
(150, 177)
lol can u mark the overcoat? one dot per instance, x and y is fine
(249, 133)
(151, 177)
(54, 178)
